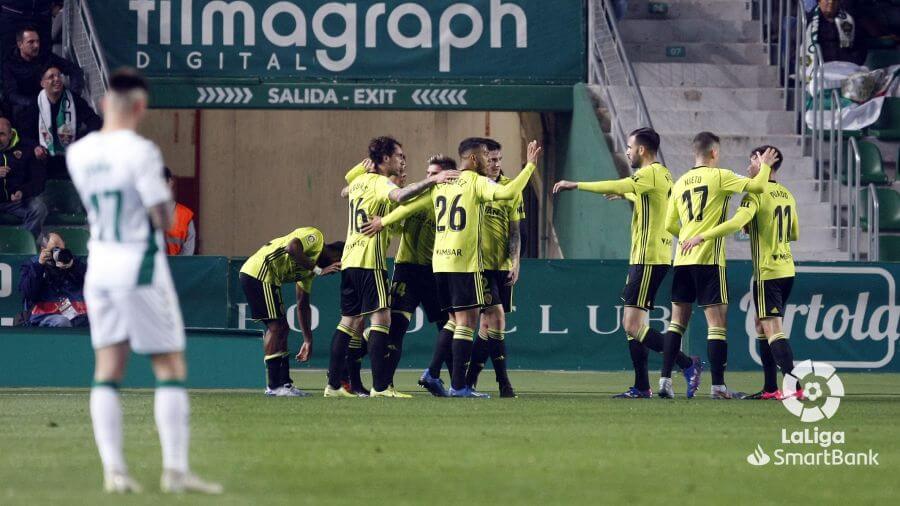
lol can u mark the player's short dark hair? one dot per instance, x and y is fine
(470, 144)
(442, 161)
(646, 137)
(20, 33)
(381, 147)
(125, 80)
(704, 142)
(491, 144)
(762, 149)
(331, 253)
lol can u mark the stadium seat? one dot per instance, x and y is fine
(871, 167)
(8, 219)
(889, 209)
(888, 125)
(889, 248)
(17, 241)
(76, 239)
(882, 58)
(63, 203)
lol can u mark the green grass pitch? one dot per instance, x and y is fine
(563, 441)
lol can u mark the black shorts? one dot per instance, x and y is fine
(458, 291)
(498, 293)
(264, 299)
(771, 295)
(412, 285)
(704, 284)
(642, 284)
(363, 291)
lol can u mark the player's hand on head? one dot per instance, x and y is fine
(372, 227)
(564, 185)
(305, 351)
(368, 163)
(331, 269)
(688, 245)
(769, 157)
(445, 175)
(534, 152)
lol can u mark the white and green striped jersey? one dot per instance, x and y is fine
(119, 176)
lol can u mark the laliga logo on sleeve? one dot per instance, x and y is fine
(822, 393)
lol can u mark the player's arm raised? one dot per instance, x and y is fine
(741, 217)
(377, 223)
(515, 187)
(412, 191)
(766, 159)
(304, 318)
(616, 187)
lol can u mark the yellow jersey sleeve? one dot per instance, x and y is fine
(731, 182)
(353, 173)
(485, 189)
(383, 189)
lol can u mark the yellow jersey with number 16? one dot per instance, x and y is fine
(369, 196)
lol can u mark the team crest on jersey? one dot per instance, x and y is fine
(310, 239)
(17, 153)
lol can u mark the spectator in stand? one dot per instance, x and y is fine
(18, 14)
(52, 285)
(833, 27)
(63, 117)
(23, 69)
(21, 180)
(181, 239)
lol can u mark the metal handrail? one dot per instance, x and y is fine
(96, 47)
(853, 188)
(873, 225)
(834, 185)
(600, 76)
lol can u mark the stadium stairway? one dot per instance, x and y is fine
(701, 66)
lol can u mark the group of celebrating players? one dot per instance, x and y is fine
(459, 259)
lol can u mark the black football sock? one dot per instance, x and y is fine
(497, 349)
(378, 356)
(639, 355)
(717, 349)
(770, 370)
(443, 342)
(650, 338)
(462, 352)
(286, 369)
(399, 326)
(671, 348)
(357, 350)
(339, 342)
(480, 352)
(781, 351)
(274, 373)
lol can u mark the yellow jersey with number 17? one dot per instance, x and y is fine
(700, 202)
(369, 196)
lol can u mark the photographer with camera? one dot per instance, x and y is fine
(52, 285)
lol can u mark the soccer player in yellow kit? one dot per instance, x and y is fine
(698, 203)
(364, 287)
(773, 222)
(651, 255)
(500, 251)
(457, 260)
(297, 258)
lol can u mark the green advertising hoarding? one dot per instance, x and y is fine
(567, 313)
(226, 53)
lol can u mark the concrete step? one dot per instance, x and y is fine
(746, 122)
(692, 9)
(705, 75)
(697, 52)
(800, 169)
(688, 30)
(660, 98)
(679, 142)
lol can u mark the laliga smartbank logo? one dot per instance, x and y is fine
(822, 391)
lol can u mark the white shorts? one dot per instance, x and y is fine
(148, 317)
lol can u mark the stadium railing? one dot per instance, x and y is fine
(853, 188)
(873, 225)
(608, 65)
(82, 46)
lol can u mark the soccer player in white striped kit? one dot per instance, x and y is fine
(128, 288)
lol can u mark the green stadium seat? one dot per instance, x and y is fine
(888, 125)
(889, 248)
(76, 239)
(17, 241)
(871, 165)
(889, 209)
(882, 58)
(63, 203)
